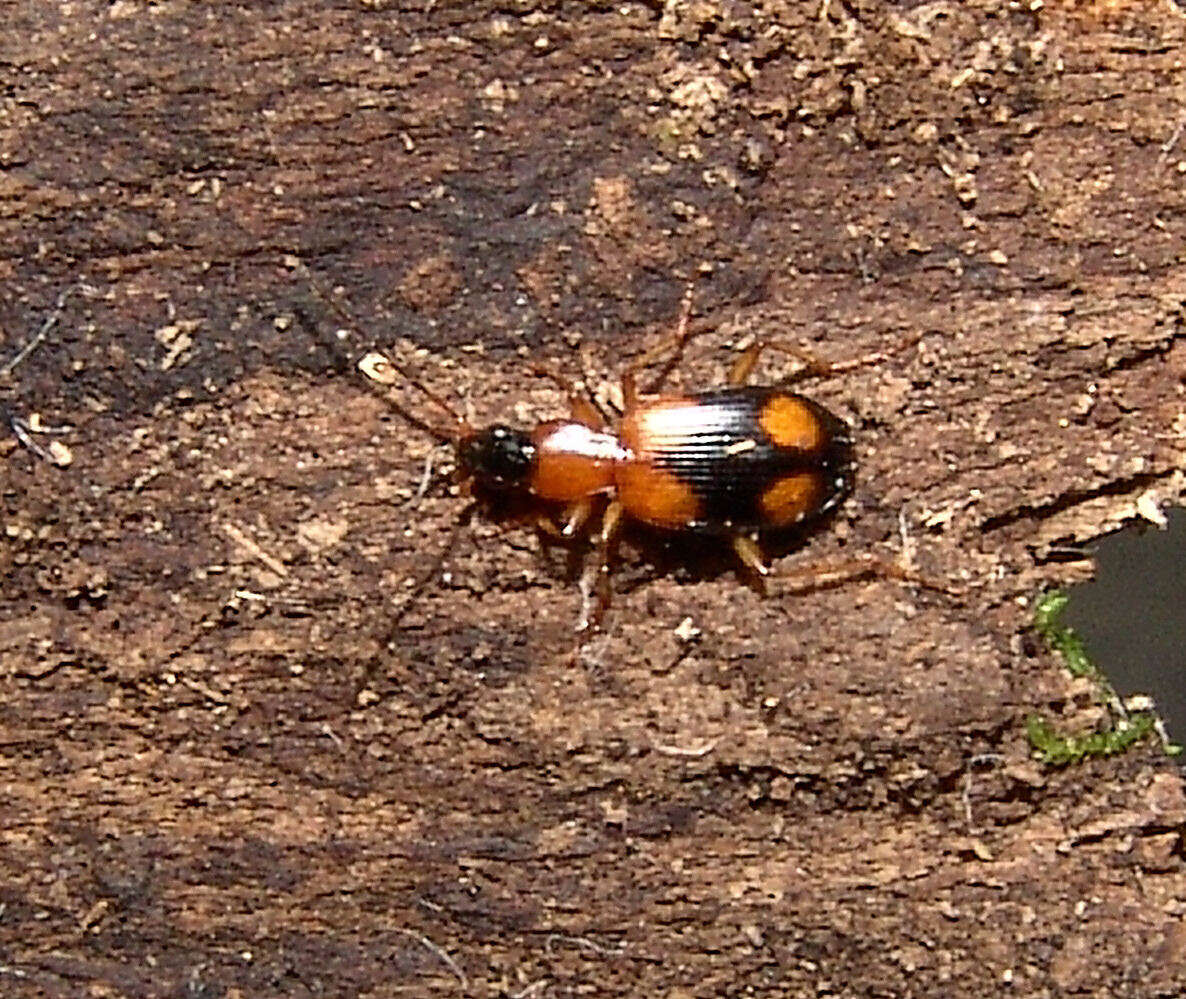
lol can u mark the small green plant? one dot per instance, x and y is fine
(1058, 750)
(1058, 637)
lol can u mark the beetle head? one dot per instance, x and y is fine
(498, 457)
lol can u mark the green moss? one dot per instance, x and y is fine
(1060, 638)
(1056, 749)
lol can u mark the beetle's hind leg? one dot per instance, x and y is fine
(811, 366)
(827, 573)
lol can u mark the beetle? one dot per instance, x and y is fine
(738, 461)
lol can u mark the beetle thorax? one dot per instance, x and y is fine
(574, 461)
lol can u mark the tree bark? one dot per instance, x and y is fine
(245, 751)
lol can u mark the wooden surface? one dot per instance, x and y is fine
(237, 761)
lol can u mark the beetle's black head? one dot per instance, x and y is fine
(498, 457)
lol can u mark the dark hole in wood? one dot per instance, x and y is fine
(1132, 616)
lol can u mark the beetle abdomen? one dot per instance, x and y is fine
(732, 460)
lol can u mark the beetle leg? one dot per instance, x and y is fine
(595, 581)
(675, 340)
(629, 391)
(607, 407)
(746, 547)
(575, 517)
(611, 523)
(811, 366)
(584, 409)
(826, 573)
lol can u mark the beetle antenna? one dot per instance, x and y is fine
(375, 367)
(350, 321)
(379, 368)
(395, 622)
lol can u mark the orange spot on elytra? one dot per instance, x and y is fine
(791, 423)
(791, 498)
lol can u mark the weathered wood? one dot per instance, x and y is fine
(225, 773)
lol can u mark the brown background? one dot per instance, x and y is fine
(225, 772)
